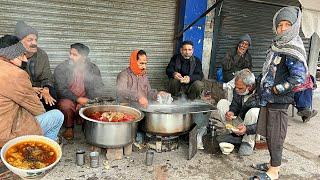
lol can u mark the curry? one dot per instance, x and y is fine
(31, 155)
(111, 116)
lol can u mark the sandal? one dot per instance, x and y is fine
(260, 176)
(261, 166)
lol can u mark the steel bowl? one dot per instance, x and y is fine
(110, 134)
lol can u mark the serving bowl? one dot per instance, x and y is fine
(31, 173)
(226, 148)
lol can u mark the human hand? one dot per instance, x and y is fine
(229, 115)
(82, 100)
(177, 76)
(143, 101)
(275, 90)
(37, 90)
(185, 79)
(48, 99)
(241, 130)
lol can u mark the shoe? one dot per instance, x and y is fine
(307, 118)
(68, 134)
(305, 112)
(245, 149)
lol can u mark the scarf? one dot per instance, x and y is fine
(288, 43)
(134, 64)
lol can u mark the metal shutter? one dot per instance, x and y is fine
(255, 18)
(112, 29)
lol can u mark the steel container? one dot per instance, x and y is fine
(110, 134)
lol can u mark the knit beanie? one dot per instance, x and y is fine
(245, 37)
(10, 47)
(22, 30)
(287, 13)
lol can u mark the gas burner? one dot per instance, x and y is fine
(162, 143)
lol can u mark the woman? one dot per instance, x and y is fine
(284, 69)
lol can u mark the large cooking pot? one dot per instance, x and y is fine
(173, 119)
(110, 134)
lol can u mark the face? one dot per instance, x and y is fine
(75, 56)
(142, 62)
(30, 42)
(241, 88)
(18, 60)
(283, 26)
(186, 51)
(243, 47)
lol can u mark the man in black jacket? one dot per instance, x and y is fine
(243, 108)
(185, 73)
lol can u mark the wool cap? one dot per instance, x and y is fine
(10, 47)
(22, 30)
(287, 14)
(245, 37)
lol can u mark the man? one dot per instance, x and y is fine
(38, 66)
(21, 112)
(244, 105)
(133, 84)
(285, 68)
(77, 80)
(185, 73)
(237, 58)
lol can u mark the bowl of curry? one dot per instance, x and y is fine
(31, 156)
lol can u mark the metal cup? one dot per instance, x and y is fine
(94, 159)
(149, 157)
(80, 160)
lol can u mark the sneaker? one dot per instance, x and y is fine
(245, 149)
(305, 112)
(307, 118)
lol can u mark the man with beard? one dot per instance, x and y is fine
(133, 84)
(185, 73)
(38, 66)
(77, 80)
(237, 58)
(244, 105)
(21, 112)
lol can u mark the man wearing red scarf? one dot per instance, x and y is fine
(133, 84)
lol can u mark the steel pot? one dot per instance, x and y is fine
(110, 134)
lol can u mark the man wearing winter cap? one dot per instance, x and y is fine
(237, 58)
(38, 66)
(21, 112)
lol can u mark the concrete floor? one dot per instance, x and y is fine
(301, 159)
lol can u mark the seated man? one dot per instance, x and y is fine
(21, 112)
(244, 105)
(38, 66)
(133, 84)
(185, 73)
(77, 80)
(237, 58)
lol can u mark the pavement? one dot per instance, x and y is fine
(301, 158)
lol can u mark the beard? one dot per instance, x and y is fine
(244, 93)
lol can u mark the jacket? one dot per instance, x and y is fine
(232, 63)
(39, 70)
(19, 104)
(130, 87)
(63, 75)
(191, 67)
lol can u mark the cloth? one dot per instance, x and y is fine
(39, 70)
(77, 84)
(19, 104)
(22, 30)
(134, 65)
(251, 117)
(193, 90)
(70, 110)
(13, 51)
(273, 124)
(131, 87)
(51, 123)
(308, 84)
(245, 37)
(186, 67)
(63, 75)
(303, 99)
(232, 63)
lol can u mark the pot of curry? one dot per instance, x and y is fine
(110, 126)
